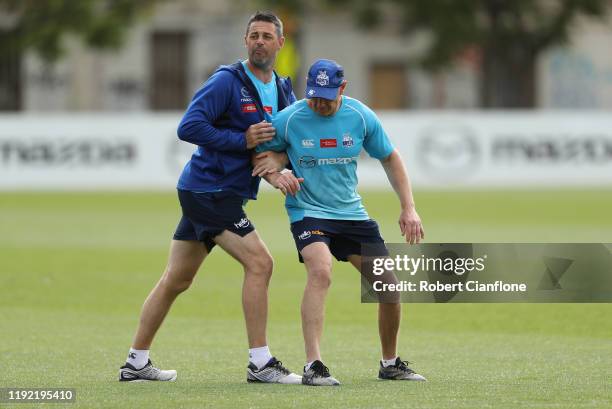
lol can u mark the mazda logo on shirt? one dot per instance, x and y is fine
(307, 162)
(311, 161)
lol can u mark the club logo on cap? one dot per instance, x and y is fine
(322, 79)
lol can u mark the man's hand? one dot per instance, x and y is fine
(411, 227)
(259, 133)
(286, 182)
(269, 162)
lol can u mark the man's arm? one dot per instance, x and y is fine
(285, 181)
(269, 162)
(409, 220)
(271, 156)
(209, 104)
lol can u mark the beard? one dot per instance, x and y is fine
(261, 61)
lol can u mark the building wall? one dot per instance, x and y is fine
(120, 80)
(577, 76)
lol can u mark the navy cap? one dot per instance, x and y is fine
(324, 79)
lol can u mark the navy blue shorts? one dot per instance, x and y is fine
(343, 237)
(206, 215)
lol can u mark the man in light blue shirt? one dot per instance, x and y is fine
(323, 136)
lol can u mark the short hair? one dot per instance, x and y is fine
(268, 17)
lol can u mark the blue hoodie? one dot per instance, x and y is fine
(216, 120)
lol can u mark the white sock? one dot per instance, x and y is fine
(308, 365)
(259, 356)
(138, 358)
(388, 362)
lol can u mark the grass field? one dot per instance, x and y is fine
(75, 269)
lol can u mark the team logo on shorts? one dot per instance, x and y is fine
(306, 234)
(243, 223)
(347, 141)
(322, 78)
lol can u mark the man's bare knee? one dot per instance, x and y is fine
(320, 276)
(259, 266)
(176, 283)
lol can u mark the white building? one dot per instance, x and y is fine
(167, 57)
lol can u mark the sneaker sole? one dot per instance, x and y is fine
(173, 379)
(249, 380)
(329, 384)
(321, 384)
(409, 380)
(317, 385)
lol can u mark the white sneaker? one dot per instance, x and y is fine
(272, 372)
(318, 375)
(127, 373)
(399, 371)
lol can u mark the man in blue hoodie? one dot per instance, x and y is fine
(228, 117)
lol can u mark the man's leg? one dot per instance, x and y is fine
(318, 262)
(257, 262)
(183, 263)
(389, 317)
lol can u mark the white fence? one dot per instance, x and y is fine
(441, 150)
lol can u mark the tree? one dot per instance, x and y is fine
(41, 25)
(509, 34)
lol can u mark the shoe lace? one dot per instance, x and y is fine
(403, 366)
(321, 370)
(151, 369)
(279, 366)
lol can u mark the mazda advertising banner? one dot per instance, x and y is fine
(441, 150)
